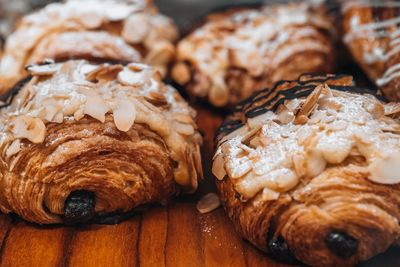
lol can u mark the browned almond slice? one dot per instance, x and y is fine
(181, 73)
(30, 128)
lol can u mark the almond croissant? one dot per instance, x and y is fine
(128, 31)
(372, 34)
(80, 140)
(240, 50)
(310, 171)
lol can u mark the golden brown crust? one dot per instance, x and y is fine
(342, 201)
(127, 31)
(371, 35)
(115, 131)
(240, 50)
(124, 170)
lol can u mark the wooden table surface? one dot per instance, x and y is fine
(174, 235)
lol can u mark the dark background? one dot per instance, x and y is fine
(184, 11)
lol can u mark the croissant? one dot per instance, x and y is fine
(11, 11)
(240, 50)
(309, 171)
(125, 31)
(80, 141)
(372, 36)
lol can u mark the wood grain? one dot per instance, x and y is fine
(166, 236)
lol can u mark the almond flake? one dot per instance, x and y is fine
(127, 77)
(14, 148)
(208, 203)
(136, 27)
(160, 54)
(218, 167)
(30, 128)
(42, 70)
(181, 73)
(124, 115)
(183, 118)
(90, 19)
(219, 95)
(385, 170)
(185, 129)
(96, 108)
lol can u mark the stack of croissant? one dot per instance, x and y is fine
(306, 165)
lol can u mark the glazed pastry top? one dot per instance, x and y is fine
(248, 39)
(126, 30)
(384, 35)
(295, 132)
(130, 94)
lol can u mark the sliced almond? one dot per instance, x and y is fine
(285, 115)
(30, 128)
(185, 129)
(96, 108)
(301, 119)
(127, 77)
(137, 67)
(14, 148)
(268, 194)
(281, 180)
(309, 105)
(392, 110)
(239, 167)
(119, 12)
(336, 151)
(218, 167)
(181, 73)
(376, 109)
(42, 70)
(183, 118)
(90, 19)
(385, 170)
(315, 163)
(300, 164)
(162, 53)
(329, 103)
(87, 68)
(78, 115)
(156, 99)
(59, 117)
(124, 115)
(51, 110)
(219, 95)
(136, 27)
(249, 59)
(208, 203)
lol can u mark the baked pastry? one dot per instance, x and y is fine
(372, 36)
(80, 140)
(240, 50)
(126, 31)
(11, 11)
(309, 171)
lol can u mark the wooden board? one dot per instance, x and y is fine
(174, 235)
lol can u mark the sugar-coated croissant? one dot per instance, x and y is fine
(80, 140)
(372, 34)
(240, 50)
(129, 31)
(310, 171)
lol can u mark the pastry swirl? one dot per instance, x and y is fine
(240, 50)
(373, 37)
(127, 31)
(308, 171)
(114, 131)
